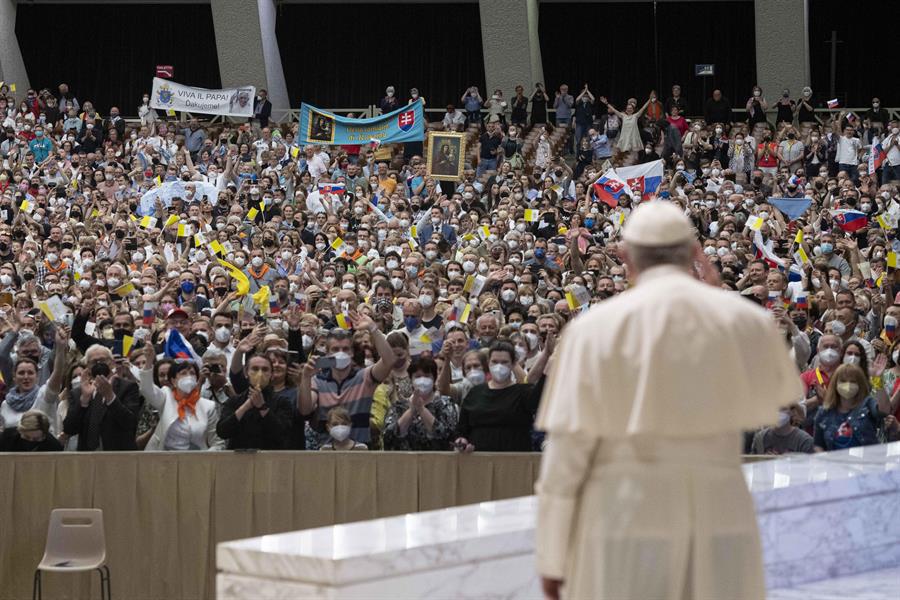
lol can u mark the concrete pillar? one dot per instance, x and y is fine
(248, 48)
(12, 67)
(782, 47)
(505, 26)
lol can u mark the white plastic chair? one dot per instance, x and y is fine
(75, 543)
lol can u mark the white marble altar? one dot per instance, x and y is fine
(821, 517)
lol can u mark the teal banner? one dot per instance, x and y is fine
(319, 126)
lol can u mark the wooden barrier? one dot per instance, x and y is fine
(165, 512)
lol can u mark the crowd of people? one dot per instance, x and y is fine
(172, 285)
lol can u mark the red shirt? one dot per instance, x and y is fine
(769, 157)
(809, 379)
(678, 123)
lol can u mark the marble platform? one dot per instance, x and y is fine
(823, 519)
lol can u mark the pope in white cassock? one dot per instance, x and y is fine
(641, 494)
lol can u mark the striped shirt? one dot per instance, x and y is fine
(353, 394)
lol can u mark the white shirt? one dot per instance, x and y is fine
(893, 155)
(316, 166)
(848, 150)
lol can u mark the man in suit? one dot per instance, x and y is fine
(436, 224)
(104, 408)
(262, 108)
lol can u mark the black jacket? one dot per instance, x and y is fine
(264, 112)
(268, 432)
(117, 421)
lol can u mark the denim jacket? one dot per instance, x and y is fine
(859, 427)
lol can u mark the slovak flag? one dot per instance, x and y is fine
(876, 157)
(609, 190)
(801, 301)
(850, 220)
(763, 251)
(331, 188)
(178, 347)
(639, 182)
(406, 120)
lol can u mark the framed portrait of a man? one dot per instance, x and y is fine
(446, 155)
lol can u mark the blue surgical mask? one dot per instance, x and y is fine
(187, 287)
(411, 323)
(827, 247)
(540, 253)
(589, 223)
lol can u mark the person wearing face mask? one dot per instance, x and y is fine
(262, 415)
(413, 327)
(849, 416)
(52, 264)
(343, 383)
(187, 421)
(339, 427)
(498, 416)
(435, 223)
(891, 146)
(816, 380)
(259, 272)
(666, 425)
(784, 437)
(425, 420)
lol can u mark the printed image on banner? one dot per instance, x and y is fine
(319, 126)
(233, 102)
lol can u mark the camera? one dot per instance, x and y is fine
(100, 369)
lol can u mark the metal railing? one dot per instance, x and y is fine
(290, 115)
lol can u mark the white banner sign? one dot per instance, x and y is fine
(232, 102)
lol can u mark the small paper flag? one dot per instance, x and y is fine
(800, 256)
(171, 220)
(532, 215)
(147, 222)
(216, 247)
(27, 206)
(892, 260)
(755, 223)
(570, 300)
(127, 343)
(413, 231)
(251, 214)
(883, 222)
(464, 317)
(342, 321)
(184, 230)
(798, 239)
(124, 289)
(12, 87)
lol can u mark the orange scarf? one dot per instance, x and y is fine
(262, 271)
(187, 401)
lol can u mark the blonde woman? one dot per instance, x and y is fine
(849, 416)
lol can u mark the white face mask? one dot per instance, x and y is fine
(475, 376)
(340, 432)
(829, 356)
(187, 384)
(526, 300)
(500, 373)
(508, 295)
(784, 417)
(341, 360)
(113, 282)
(838, 327)
(423, 385)
(426, 300)
(223, 334)
(851, 359)
(256, 261)
(469, 266)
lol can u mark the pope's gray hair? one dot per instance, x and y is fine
(645, 257)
